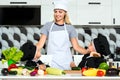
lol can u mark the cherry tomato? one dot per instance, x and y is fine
(100, 73)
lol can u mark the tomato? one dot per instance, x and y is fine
(100, 73)
(83, 69)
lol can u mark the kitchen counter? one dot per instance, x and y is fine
(70, 75)
(74, 75)
(62, 77)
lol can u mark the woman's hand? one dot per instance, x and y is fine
(37, 54)
(42, 67)
(72, 64)
(95, 54)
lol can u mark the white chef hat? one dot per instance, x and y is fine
(61, 4)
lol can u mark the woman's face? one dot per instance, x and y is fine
(59, 14)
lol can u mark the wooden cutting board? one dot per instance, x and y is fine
(72, 71)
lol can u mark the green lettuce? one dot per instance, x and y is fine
(12, 53)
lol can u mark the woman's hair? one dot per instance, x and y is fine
(66, 18)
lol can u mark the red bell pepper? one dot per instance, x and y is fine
(12, 66)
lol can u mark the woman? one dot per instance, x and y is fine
(61, 34)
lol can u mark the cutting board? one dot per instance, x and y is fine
(72, 71)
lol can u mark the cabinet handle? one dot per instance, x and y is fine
(94, 22)
(18, 2)
(113, 20)
(94, 3)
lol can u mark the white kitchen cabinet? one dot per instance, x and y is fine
(47, 7)
(20, 2)
(46, 13)
(81, 12)
(94, 12)
(47, 2)
(72, 12)
(116, 12)
(94, 15)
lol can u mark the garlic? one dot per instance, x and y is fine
(40, 72)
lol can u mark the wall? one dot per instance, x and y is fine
(18, 35)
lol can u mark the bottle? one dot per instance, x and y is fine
(110, 61)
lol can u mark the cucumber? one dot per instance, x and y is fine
(76, 68)
(54, 71)
(19, 71)
(29, 68)
(12, 72)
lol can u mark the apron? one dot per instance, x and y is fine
(59, 49)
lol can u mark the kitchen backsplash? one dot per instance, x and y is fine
(18, 35)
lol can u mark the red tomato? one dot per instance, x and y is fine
(83, 69)
(100, 73)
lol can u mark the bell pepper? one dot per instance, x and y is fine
(12, 66)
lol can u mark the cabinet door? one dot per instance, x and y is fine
(94, 12)
(72, 12)
(116, 12)
(20, 2)
(47, 2)
(46, 13)
(94, 15)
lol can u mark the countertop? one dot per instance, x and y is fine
(60, 77)
(63, 77)
(70, 75)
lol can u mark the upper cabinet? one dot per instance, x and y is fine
(81, 12)
(72, 12)
(47, 2)
(94, 12)
(46, 11)
(20, 2)
(115, 12)
(86, 12)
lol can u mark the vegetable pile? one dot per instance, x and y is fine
(102, 70)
